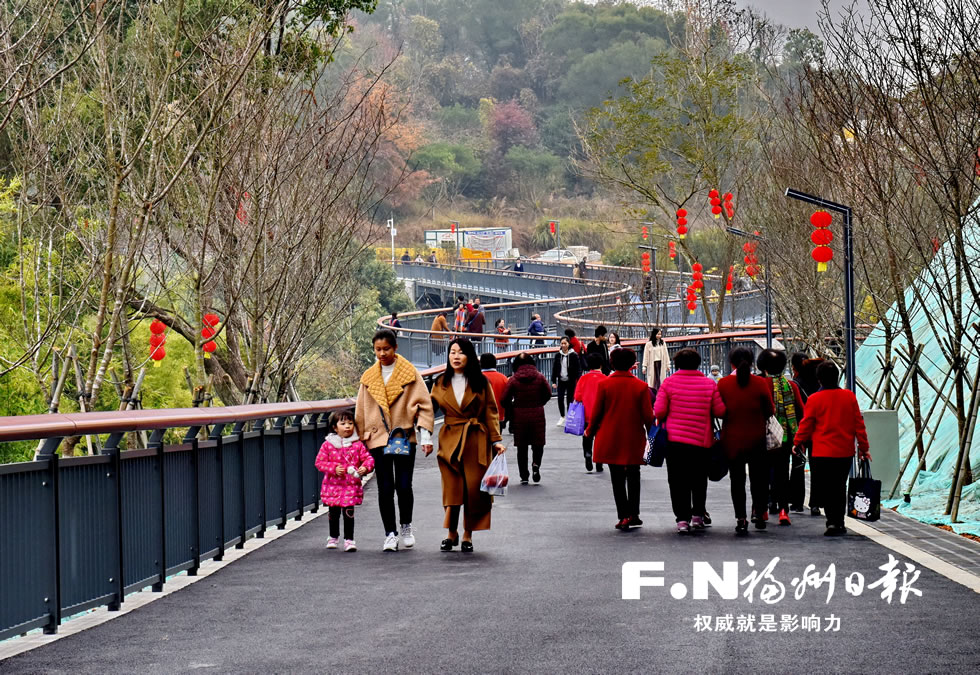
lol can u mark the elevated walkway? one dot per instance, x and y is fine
(292, 606)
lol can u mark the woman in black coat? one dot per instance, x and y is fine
(565, 374)
(524, 399)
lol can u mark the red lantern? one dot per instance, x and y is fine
(645, 232)
(157, 339)
(697, 284)
(452, 227)
(158, 355)
(672, 254)
(821, 237)
(823, 255)
(751, 270)
(697, 267)
(729, 210)
(158, 327)
(692, 306)
(551, 227)
(697, 276)
(682, 213)
(821, 219)
(211, 320)
(713, 194)
(682, 221)
(208, 348)
(716, 211)
(207, 332)
(728, 285)
(681, 231)
(728, 196)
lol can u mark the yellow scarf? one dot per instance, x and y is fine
(385, 394)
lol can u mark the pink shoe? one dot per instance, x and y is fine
(697, 523)
(683, 527)
(332, 542)
(349, 546)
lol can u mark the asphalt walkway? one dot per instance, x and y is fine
(542, 593)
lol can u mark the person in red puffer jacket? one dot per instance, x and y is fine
(748, 404)
(620, 423)
(834, 424)
(585, 393)
(686, 402)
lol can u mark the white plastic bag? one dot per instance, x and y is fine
(774, 434)
(496, 478)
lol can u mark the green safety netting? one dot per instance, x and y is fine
(930, 303)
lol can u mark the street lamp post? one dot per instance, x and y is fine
(459, 253)
(849, 328)
(393, 231)
(765, 263)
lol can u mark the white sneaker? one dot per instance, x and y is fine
(349, 546)
(561, 422)
(391, 542)
(408, 536)
(332, 542)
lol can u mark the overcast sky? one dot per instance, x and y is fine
(795, 13)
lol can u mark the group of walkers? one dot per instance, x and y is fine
(395, 413)
(725, 422)
(394, 416)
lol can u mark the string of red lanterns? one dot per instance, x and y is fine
(672, 249)
(646, 262)
(715, 199)
(729, 206)
(692, 299)
(751, 261)
(681, 222)
(728, 283)
(822, 236)
(210, 321)
(158, 339)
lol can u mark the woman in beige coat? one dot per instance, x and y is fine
(393, 396)
(656, 363)
(471, 425)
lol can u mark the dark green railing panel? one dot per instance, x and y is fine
(89, 559)
(28, 598)
(142, 521)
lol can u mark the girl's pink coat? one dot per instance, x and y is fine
(345, 490)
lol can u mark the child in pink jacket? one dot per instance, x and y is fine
(343, 459)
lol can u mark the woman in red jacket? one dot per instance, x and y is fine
(748, 406)
(585, 393)
(686, 403)
(620, 422)
(524, 398)
(833, 422)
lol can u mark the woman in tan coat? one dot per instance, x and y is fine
(439, 325)
(471, 425)
(392, 395)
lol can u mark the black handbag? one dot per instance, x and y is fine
(717, 459)
(656, 445)
(864, 494)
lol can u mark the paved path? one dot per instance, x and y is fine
(542, 593)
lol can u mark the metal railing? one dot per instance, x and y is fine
(82, 532)
(503, 283)
(634, 320)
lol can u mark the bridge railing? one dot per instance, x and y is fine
(80, 532)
